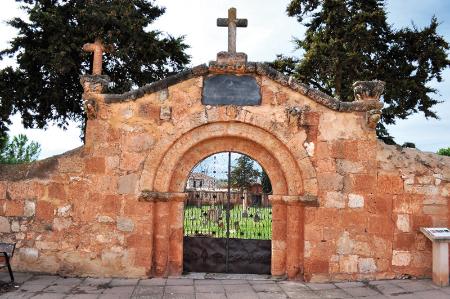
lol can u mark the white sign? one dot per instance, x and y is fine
(436, 233)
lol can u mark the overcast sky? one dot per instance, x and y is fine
(269, 32)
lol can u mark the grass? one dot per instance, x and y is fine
(211, 221)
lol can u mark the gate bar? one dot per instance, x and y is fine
(228, 212)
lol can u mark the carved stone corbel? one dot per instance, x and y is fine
(373, 117)
(297, 114)
(369, 91)
(91, 108)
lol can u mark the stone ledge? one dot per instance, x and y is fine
(155, 196)
(306, 199)
(262, 69)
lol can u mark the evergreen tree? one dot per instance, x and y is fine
(44, 87)
(350, 40)
(18, 150)
(265, 182)
(244, 175)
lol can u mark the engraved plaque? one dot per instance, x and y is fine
(231, 90)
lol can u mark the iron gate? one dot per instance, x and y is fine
(227, 232)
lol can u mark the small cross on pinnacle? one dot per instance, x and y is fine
(97, 48)
(231, 22)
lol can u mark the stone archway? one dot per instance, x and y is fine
(289, 192)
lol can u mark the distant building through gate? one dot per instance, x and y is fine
(201, 181)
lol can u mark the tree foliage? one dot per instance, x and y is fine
(350, 40)
(265, 182)
(18, 150)
(244, 175)
(444, 151)
(44, 87)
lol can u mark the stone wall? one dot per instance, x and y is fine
(375, 198)
(345, 206)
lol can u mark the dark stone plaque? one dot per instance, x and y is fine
(231, 90)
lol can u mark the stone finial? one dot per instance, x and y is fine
(92, 86)
(97, 48)
(368, 90)
(231, 57)
(94, 83)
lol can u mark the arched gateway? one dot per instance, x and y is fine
(345, 206)
(287, 168)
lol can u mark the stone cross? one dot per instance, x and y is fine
(97, 48)
(231, 22)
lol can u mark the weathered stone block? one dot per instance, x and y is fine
(15, 226)
(390, 184)
(70, 165)
(380, 225)
(5, 226)
(29, 209)
(56, 191)
(165, 113)
(28, 255)
(46, 245)
(64, 211)
(401, 258)
(363, 249)
(346, 166)
(322, 150)
(105, 219)
(403, 223)
(45, 211)
(326, 165)
(345, 244)
(95, 165)
(2, 190)
(345, 149)
(137, 209)
(404, 241)
(381, 204)
(360, 183)
(330, 182)
(138, 143)
(335, 200)
(125, 224)
(60, 224)
(131, 161)
(348, 264)
(434, 210)
(355, 201)
(428, 190)
(14, 208)
(127, 184)
(367, 265)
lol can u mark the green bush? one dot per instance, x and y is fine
(444, 151)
